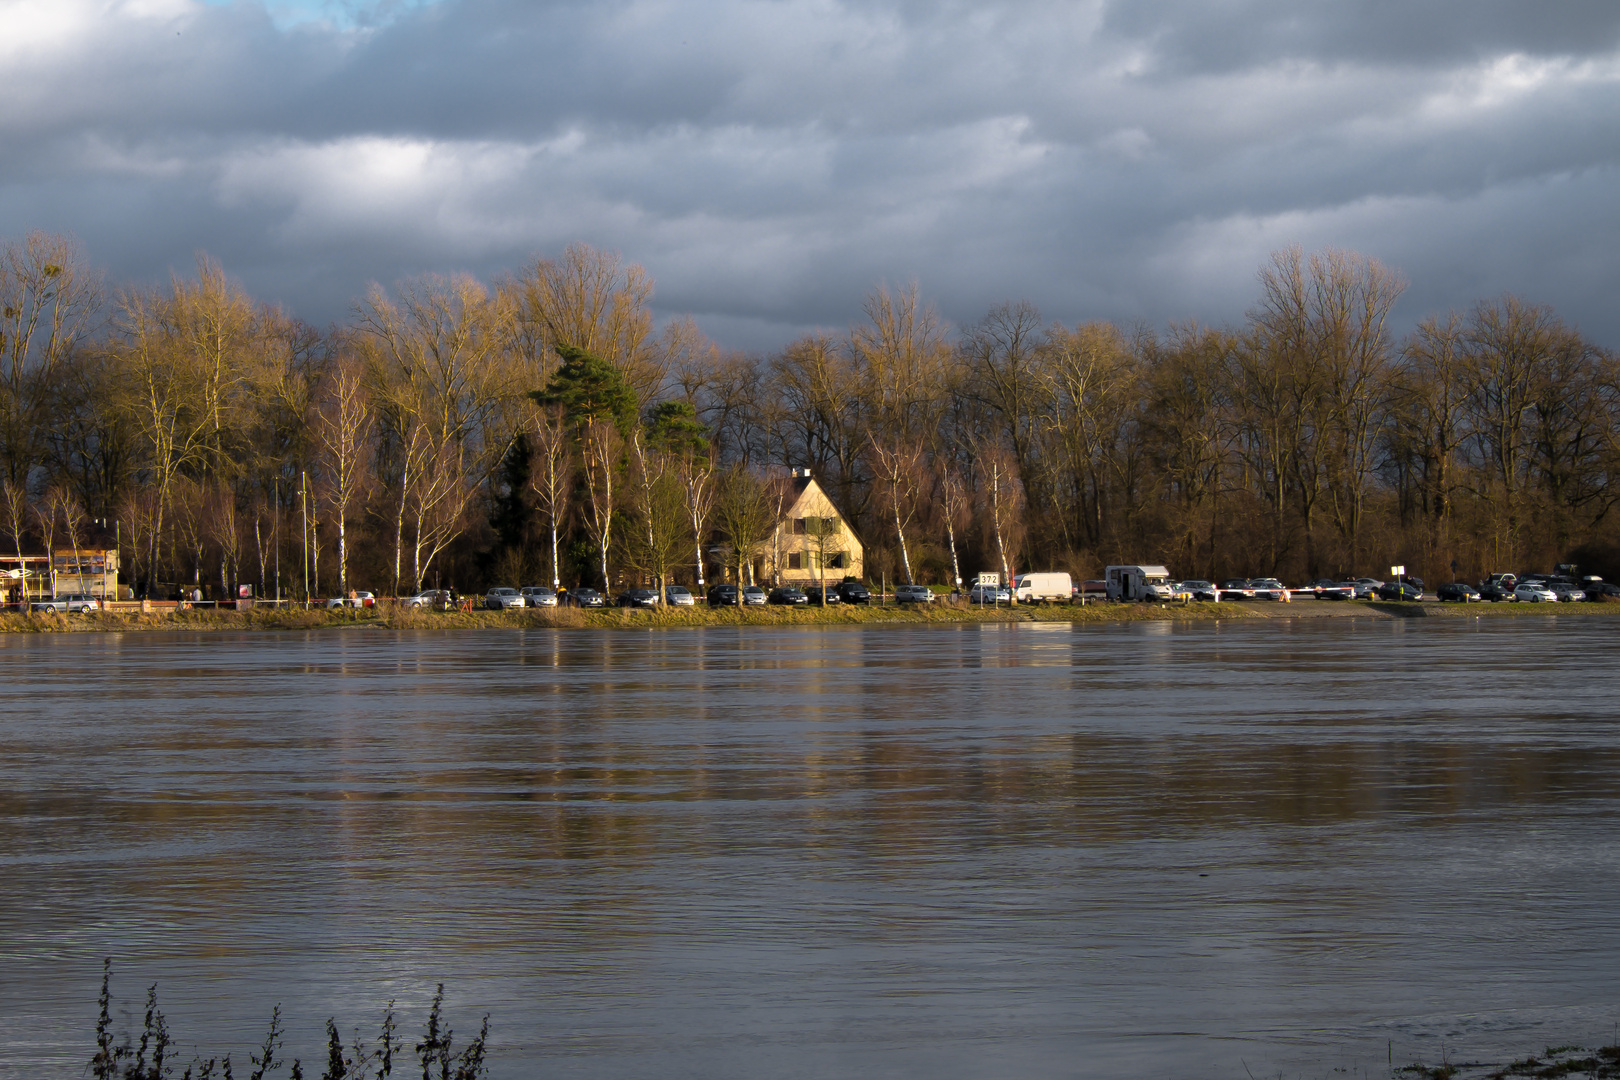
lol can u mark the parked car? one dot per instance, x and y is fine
(429, 600)
(1600, 590)
(68, 604)
(1269, 588)
(678, 596)
(753, 594)
(788, 595)
(1237, 589)
(1399, 590)
(1534, 592)
(821, 597)
(1567, 592)
(1091, 588)
(724, 595)
(1200, 589)
(638, 597)
(1365, 588)
(583, 598)
(1327, 589)
(853, 592)
(539, 596)
(989, 594)
(1458, 592)
(913, 594)
(1496, 591)
(358, 600)
(504, 599)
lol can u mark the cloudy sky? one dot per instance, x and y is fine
(769, 161)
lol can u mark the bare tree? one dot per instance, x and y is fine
(899, 469)
(343, 430)
(955, 508)
(551, 474)
(1004, 499)
(45, 513)
(1507, 345)
(222, 524)
(47, 301)
(601, 449)
(660, 506)
(15, 499)
(439, 374)
(592, 301)
(745, 510)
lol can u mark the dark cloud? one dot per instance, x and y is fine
(770, 160)
(1229, 35)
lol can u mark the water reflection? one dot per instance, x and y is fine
(962, 851)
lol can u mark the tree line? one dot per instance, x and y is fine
(543, 427)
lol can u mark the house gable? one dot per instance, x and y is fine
(812, 541)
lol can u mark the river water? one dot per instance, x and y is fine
(989, 851)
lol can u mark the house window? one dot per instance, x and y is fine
(795, 559)
(839, 560)
(798, 527)
(829, 526)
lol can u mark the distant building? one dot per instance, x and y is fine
(25, 580)
(85, 570)
(811, 541)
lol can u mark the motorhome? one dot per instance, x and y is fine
(1043, 588)
(1140, 583)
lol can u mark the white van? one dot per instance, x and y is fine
(1043, 588)
(1140, 583)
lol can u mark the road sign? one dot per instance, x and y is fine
(991, 578)
(1397, 571)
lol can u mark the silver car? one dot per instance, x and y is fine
(539, 596)
(678, 596)
(504, 599)
(753, 594)
(913, 594)
(989, 594)
(1534, 592)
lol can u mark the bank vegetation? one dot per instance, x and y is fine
(545, 427)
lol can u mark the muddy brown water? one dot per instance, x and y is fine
(1207, 849)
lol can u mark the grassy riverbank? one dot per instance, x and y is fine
(389, 617)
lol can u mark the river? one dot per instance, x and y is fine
(1027, 851)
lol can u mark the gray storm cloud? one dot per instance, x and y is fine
(770, 161)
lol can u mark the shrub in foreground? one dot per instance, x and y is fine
(151, 1057)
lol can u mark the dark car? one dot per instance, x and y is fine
(724, 595)
(853, 592)
(787, 594)
(1599, 590)
(1498, 586)
(1328, 589)
(1458, 592)
(1237, 589)
(1399, 590)
(638, 598)
(586, 598)
(817, 595)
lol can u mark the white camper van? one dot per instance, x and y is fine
(1140, 583)
(1043, 588)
